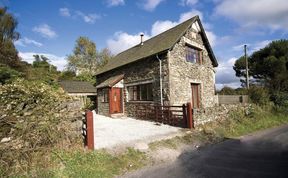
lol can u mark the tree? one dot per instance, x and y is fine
(86, 58)
(42, 70)
(8, 52)
(268, 67)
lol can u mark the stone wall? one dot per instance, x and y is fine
(137, 72)
(204, 115)
(183, 73)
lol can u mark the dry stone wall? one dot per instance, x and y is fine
(204, 115)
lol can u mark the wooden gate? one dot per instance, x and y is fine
(179, 116)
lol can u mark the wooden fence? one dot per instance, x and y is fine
(232, 99)
(180, 116)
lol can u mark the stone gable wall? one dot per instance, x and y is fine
(183, 73)
(140, 71)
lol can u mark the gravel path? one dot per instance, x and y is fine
(110, 132)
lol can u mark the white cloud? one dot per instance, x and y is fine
(122, 40)
(26, 41)
(88, 18)
(45, 30)
(252, 47)
(59, 61)
(225, 75)
(188, 2)
(161, 26)
(64, 12)
(187, 15)
(256, 13)
(211, 37)
(150, 5)
(260, 45)
(115, 2)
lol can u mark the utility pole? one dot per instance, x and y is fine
(247, 70)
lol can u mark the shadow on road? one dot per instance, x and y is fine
(263, 154)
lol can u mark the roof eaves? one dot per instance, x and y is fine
(136, 60)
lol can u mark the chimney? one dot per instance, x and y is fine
(141, 36)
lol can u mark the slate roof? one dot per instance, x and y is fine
(77, 87)
(160, 43)
(110, 82)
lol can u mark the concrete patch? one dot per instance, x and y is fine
(113, 133)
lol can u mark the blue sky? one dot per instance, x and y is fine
(51, 27)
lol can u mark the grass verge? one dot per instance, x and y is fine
(90, 164)
(241, 123)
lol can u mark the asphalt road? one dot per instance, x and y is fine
(262, 154)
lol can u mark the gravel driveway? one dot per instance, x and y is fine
(111, 132)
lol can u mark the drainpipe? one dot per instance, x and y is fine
(160, 77)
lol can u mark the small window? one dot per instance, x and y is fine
(105, 93)
(193, 55)
(140, 92)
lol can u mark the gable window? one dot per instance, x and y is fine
(105, 93)
(193, 55)
(141, 92)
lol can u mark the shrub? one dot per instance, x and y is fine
(280, 100)
(227, 91)
(30, 121)
(7, 74)
(259, 95)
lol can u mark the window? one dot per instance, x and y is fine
(193, 55)
(105, 93)
(141, 92)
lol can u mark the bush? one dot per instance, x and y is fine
(7, 74)
(280, 100)
(259, 95)
(31, 122)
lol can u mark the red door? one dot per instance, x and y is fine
(195, 95)
(115, 100)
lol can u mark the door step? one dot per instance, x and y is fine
(118, 116)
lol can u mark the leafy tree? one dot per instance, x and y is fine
(227, 91)
(85, 58)
(67, 75)
(268, 67)
(43, 71)
(8, 52)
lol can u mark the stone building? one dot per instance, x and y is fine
(172, 68)
(83, 91)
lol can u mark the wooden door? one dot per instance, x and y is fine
(115, 100)
(195, 95)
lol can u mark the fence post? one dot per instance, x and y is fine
(90, 130)
(184, 115)
(190, 121)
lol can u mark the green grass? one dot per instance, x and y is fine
(240, 123)
(90, 164)
(250, 125)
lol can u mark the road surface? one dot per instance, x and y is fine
(262, 154)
